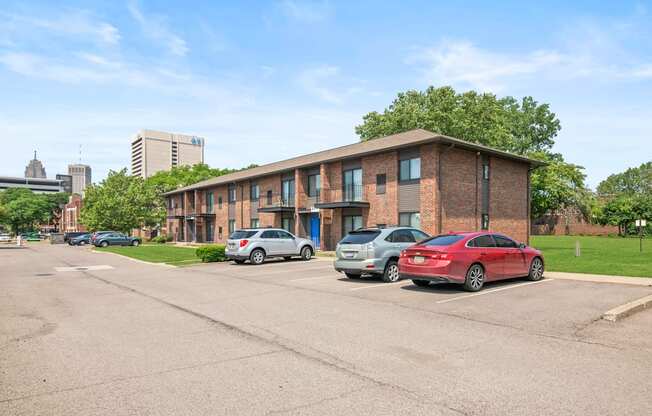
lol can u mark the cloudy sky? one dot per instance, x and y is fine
(263, 81)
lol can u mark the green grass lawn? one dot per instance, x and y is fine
(599, 255)
(157, 253)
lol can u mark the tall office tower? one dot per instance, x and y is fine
(35, 169)
(153, 151)
(81, 177)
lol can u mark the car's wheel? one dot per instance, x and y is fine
(306, 253)
(536, 270)
(257, 256)
(104, 244)
(421, 283)
(238, 261)
(135, 243)
(82, 243)
(391, 273)
(352, 275)
(474, 278)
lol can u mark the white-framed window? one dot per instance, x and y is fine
(254, 223)
(409, 219)
(410, 169)
(231, 226)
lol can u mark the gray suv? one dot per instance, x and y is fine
(375, 251)
(257, 244)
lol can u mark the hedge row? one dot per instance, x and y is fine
(214, 252)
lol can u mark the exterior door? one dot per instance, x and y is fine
(270, 242)
(314, 229)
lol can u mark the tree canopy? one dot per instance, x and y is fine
(22, 210)
(523, 127)
(632, 181)
(178, 176)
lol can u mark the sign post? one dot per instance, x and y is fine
(640, 224)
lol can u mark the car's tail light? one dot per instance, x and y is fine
(243, 243)
(403, 254)
(440, 256)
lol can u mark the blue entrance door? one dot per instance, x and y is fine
(314, 229)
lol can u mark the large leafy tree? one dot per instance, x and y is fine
(22, 209)
(524, 127)
(178, 176)
(633, 181)
(121, 202)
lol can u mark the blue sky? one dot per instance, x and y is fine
(263, 81)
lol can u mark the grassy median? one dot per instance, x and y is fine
(599, 255)
(157, 253)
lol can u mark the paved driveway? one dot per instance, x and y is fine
(123, 337)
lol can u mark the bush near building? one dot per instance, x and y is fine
(211, 253)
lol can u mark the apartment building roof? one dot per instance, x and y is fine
(383, 144)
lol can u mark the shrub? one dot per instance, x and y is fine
(161, 239)
(214, 252)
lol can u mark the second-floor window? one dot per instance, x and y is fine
(314, 185)
(191, 201)
(352, 185)
(255, 192)
(210, 200)
(410, 169)
(381, 181)
(231, 194)
(219, 202)
(287, 191)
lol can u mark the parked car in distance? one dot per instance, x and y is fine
(96, 234)
(4, 237)
(257, 244)
(470, 259)
(31, 236)
(72, 234)
(375, 251)
(80, 240)
(116, 239)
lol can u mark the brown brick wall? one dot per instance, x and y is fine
(221, 214)
(383, 208)
(429, 193)
(459, 190)
(508, 198)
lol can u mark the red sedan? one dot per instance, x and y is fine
(470, 259)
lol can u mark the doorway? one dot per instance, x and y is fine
(314, 229)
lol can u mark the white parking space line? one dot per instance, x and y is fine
(377, 285)
(330, 276)
(487, 292)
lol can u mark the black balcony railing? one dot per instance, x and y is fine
(352, 192)
(276, 201)
(315, 196)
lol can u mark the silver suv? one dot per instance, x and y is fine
(375, 251)
(257, 244)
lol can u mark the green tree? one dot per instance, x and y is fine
(121, 202)
(24, 209)
(633, 181)
(524, 127)
(178, 176)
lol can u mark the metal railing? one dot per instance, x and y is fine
(352, 192)
(276, 200)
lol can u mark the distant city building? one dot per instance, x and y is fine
(81, 177)
(35, 169)
(35, 184)
(66, 182)
(70, 215)
(153, 151)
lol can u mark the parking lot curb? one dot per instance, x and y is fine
(627, 309)
(136, 260)
(600, 278)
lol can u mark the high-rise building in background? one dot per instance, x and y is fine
(153, 151)
(81, 177)
(66, 182)
(35, 169)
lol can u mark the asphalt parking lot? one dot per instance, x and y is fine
(122, 337)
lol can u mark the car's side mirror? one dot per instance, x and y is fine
(521, 245)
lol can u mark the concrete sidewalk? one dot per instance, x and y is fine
(600, 278)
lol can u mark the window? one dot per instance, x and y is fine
(381, 181)
(360, 237)
(254, 223)
(219, 202)
(269, 197)
(410, 169)
(192, 201)
(485, 221)
(314, 185)
(352, 185)
(351, 223)
(443, 240)
(269, 234)
(231, 194)
(231, 226)
(287, 224)
(419, 235)
(240, 234)
(409, 219)
(485, 171)
(401, 236)
(482, 241)
(505, 242)
(170, 203)
(255, 192)
(287, 192)
(210, 230)
(219, 233)
(283, 234)
(210, 200)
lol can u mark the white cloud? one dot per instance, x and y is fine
(314, 81)
(306, 11)
(155, 27)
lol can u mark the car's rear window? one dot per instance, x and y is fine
(240, 234)
(442, 240)
(360, 237)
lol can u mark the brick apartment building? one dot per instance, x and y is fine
(70, 215)
(418, 178)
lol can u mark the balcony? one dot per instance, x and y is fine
(276, 203)
(351, 196)
(176, 212)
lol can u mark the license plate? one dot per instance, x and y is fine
(418, 259)
(349, 255)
